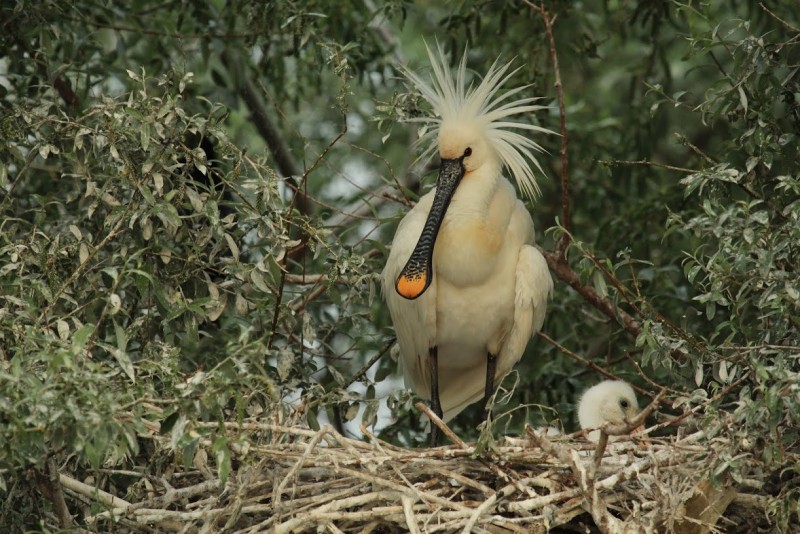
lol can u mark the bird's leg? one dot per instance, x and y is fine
(491, 366)
(436, 405)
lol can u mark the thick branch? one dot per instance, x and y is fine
(104, 498)
(565, 273)
(56, 495)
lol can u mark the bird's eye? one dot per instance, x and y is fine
(624, 404)
(468, 152)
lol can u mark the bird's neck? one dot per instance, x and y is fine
(475, 193)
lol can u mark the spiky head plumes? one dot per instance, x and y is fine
(484, 109)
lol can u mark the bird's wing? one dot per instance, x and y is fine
(414, 320)
(533, 287)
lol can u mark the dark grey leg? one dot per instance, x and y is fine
(436, 405)
(491, 366)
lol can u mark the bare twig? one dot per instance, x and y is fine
(776, 17)
(296, 467)
(408, 511)
(582, 360)
(624, 429)
(360, 374)
(548, 21)
(301, 303)
(649, 164)
(434, 419)
(695, 149)
(106, 499)
(305, 279)
(265, 126)
(276, 310)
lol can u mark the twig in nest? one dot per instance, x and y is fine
(585, 473)
(408, 511)
(494, 468)
(421, 406)
(626, 428)
(486, 505)
(104, 498)
(276, 498)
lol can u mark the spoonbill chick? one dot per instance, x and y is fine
(610, 401)
(464, 284)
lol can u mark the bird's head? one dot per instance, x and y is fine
(611, 401)
(464, 139)
(471, 130)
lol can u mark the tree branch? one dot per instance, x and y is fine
(590, 364)
(56, 495)
(566, 273)
(561, 248)
(269, 131)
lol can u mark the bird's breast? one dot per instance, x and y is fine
(466, 252)
(475, 236)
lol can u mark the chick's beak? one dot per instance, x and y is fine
(417, 274)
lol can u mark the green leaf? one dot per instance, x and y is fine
(82, 335)
(599, 282)
(223, 456)
(313, 423)
(168, 423)
(120, 352)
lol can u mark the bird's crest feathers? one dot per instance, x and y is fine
(453, 101)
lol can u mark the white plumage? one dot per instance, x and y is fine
(481, 292)
(610, 401)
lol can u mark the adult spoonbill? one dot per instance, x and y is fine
(610, 401)
(465, 286)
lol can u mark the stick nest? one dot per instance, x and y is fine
(292, 479)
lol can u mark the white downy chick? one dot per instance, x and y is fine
(610, 401)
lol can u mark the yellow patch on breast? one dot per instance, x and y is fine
(477, 235)
(466, 253)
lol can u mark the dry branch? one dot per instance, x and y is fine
(548, 21)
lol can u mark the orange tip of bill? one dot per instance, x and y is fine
(410, 288)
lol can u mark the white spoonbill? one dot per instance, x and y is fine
(610, 401)
(465, 286)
